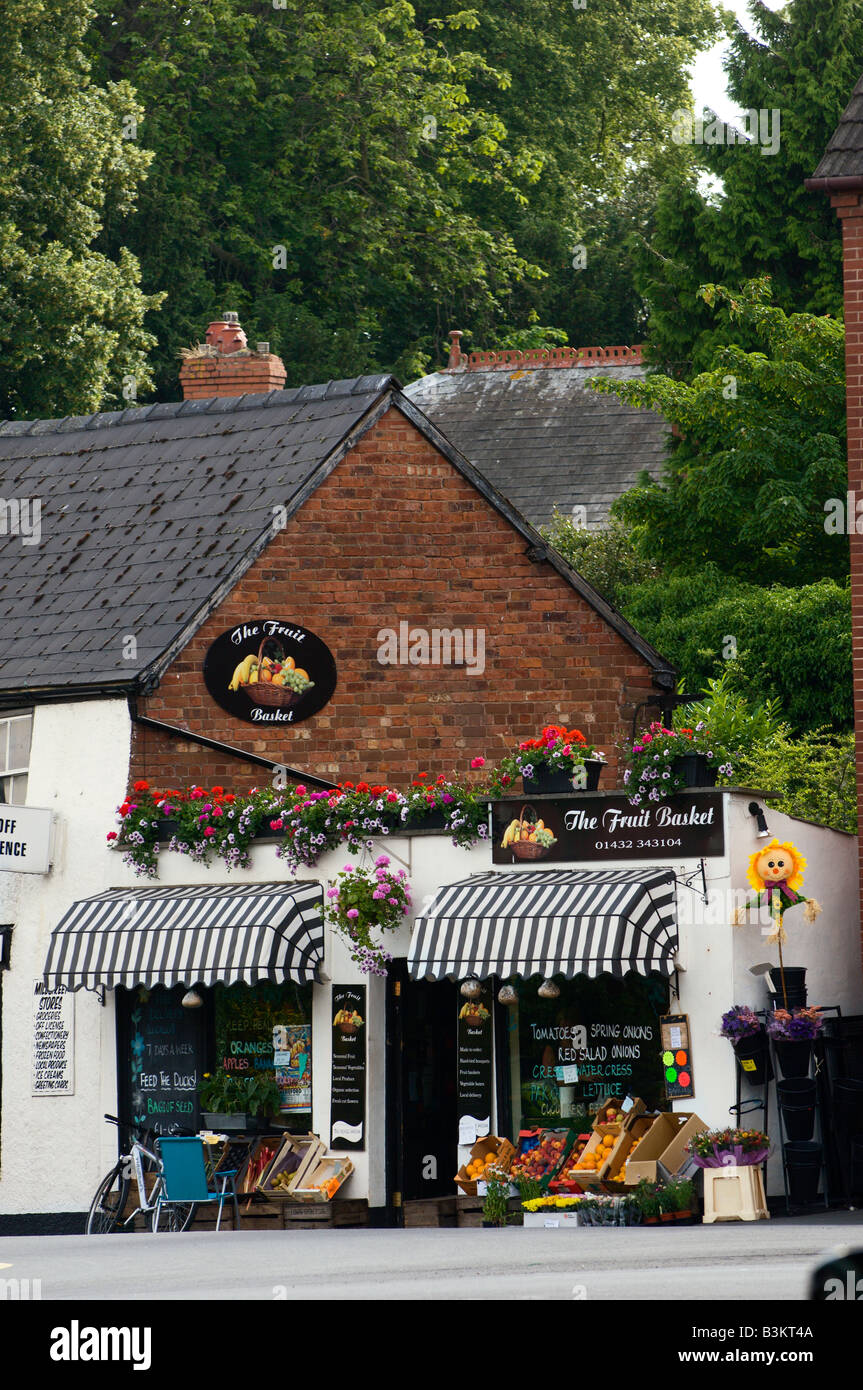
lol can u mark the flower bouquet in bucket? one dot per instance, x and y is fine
(720, 1148)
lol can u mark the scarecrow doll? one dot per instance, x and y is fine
(776, 874)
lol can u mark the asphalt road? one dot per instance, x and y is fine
(735, 1262)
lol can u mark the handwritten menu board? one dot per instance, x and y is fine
(599, 1038)
(53, 1058)
(267, 1027)
(474, 1074)
(167, 1060)
(348, 1103)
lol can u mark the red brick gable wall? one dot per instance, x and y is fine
(849, 208)
(397, 534)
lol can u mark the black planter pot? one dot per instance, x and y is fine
(753, 1058)
(435, 820)
(547, 781)
(793, 1056)
(167, 828)
(803, 1164)
(795, 987)
(797, 1101)
(695, 769)
(848, 1105)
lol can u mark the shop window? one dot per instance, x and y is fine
(269, 1027)
(606, 1028)
(15, 732)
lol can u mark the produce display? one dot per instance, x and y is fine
(592, 1162)
(256, 1165)
(480, 1169)
(541, 1159)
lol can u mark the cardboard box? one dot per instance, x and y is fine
(297, 1153)
(675, 1161)
(333, 1169)
(626, 1118)
(665, 1144)
(503, 1151)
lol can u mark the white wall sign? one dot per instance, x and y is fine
(53, 1069)
(25, 839)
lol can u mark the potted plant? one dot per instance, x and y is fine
(664, 761)
(233, 1102)
(560, 760)
(364, 901)
(793, 1032)
(646, 1196)
(495, 1208)
(745, 1031)
(681, 1198)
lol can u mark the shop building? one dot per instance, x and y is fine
(336, 511)
(321, 518)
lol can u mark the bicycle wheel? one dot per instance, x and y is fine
(173, 1216)
(108, 1204)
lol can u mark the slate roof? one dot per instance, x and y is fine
(543, 439)
(843, 157)
(150, 516)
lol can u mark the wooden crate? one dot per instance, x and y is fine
(308, 1148)
(432, 1211)
(326, 1168)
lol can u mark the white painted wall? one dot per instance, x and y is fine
(53, 1149)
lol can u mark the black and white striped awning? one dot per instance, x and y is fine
(237, 933)
(552, 922)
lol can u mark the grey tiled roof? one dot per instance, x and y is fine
(146, 515)
(542, 438)
(843, 157)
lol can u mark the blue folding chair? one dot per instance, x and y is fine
(184, 1184)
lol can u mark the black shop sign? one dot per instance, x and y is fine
(686, 826)
(475, 1043)
(268, 671)
(348, 1088)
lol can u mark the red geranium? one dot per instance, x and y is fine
(362, 786)
(141, 787)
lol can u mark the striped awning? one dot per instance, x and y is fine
(553, 922)
(237, 933)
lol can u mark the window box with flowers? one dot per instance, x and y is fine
(560, 760)
(218, 824)
(665, 761)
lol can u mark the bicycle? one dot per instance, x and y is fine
(112, 1194)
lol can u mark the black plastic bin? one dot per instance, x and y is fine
(797, 1101)
(795, 987)
(848, 1105)
(803, 1163)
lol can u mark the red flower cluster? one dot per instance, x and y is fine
(555, 733)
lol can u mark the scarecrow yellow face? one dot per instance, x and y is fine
(775, 864)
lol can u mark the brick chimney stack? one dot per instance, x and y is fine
(225, 365)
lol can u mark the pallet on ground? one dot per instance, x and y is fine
(430, 1211)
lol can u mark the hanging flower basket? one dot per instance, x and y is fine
(694, 770)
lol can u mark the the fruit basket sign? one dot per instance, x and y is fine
(269, 671)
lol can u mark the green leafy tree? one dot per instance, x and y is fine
(813, 775)
(803, 62)
(788, 645)
(759, 457)
(593, 88)
(71, 315)
(737, 722)
(313, 166)
(607, 558)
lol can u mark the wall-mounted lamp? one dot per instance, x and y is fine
(471, 987)
(191, 999)
(548, 990)
(758, 812)
(507, 995)
(5, 947)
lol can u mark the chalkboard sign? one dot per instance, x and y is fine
(677, 1057)
(475, 1040)
(166, 1060)
(348, 1094)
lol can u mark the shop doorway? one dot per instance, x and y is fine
(422, 1121)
